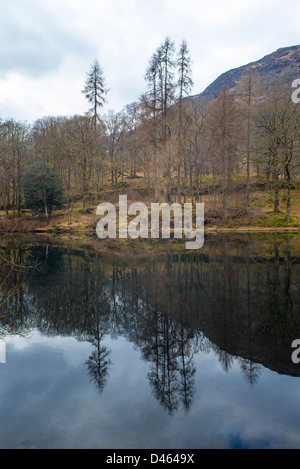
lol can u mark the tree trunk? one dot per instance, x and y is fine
(224, 183)
(288, 200)
(96, 185)
(178, 183)
(276, 195)
(46, 209)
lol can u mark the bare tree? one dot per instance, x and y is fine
(14, 153)
(248, 89)
(114, 123)
(277, 131)
(223, 128)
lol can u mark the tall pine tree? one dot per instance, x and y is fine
(184, 84)
(95, 92)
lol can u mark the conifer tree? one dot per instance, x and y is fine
(95, 92)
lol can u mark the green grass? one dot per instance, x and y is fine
(277, 220)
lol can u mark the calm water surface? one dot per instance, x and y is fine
(189, 350)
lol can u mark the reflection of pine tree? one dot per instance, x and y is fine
(250, 370)
(169, 346)
(187, 369)
(99, 363)
(225, 359)
(163, 377)
(164, 386)
(187, 381)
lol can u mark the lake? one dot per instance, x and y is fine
(188, 349)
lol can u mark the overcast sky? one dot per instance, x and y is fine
(47, 46)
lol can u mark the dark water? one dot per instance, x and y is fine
(189, 350)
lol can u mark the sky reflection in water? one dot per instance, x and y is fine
(48, 401)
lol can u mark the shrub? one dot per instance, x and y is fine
(42, 189)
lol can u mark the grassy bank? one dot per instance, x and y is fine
(259, 216)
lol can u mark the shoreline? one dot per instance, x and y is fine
(211, 229)
(13, 230)
(81, 231)
(137, 251)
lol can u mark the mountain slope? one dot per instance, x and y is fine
(283, 64)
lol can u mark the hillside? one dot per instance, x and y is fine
(283, 65)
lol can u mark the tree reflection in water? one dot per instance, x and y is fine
(15, 273)
(99, 363)
(227, 298)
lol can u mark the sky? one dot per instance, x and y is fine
(47, 46)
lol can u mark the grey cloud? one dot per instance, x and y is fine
(34, 41)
